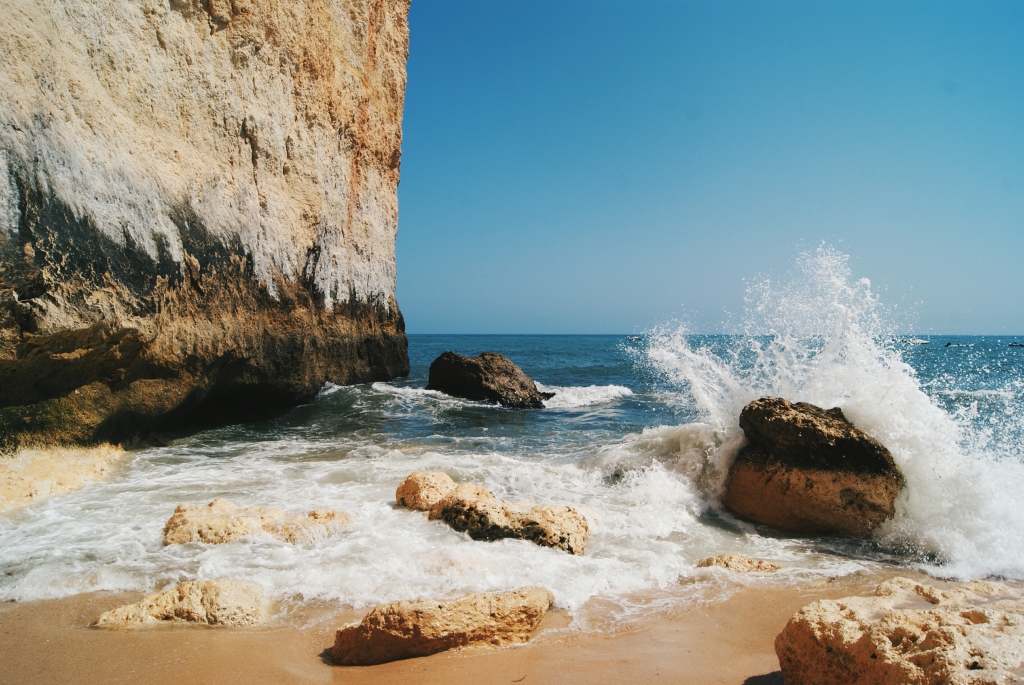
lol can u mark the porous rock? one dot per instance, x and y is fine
(739, 563)
(214, 602)
(422, 490)
(908, 634)
(474, 510)
(403, 630)
(198, 210)
(809, 470)
(221, 521)
(490, 377)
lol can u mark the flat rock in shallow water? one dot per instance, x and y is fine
(908, 633)
(739, 564)
(808, 470)
(221, 521)
(490, 377)
(403, 630)
(473, 509)
(213, 602)
(422, 490)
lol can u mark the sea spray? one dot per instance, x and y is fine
(642, 455)
(824, 337)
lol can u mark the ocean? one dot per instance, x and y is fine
(638, 437)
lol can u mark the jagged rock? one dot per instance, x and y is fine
(739, 563)
(422, 490)
(808, 470)
(198, 208)
(908, 634)
(403, 630)
(490, 377)
(215, 602)
(221, 521)
(473, 509)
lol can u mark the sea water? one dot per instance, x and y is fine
(639, 437)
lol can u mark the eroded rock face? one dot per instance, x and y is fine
(221, 521)
(908, 634)
(403, 630)
(198, 209)
(808, 470)
(422, 490)
(213, 602)
(489, 377)
(474, 510)
(739, 563)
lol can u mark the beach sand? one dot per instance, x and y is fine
(730, 641)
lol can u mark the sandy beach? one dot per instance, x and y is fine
(727, 642)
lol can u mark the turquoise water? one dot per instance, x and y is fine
(639, 437)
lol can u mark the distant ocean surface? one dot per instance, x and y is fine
(638, 436)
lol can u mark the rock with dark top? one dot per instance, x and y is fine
(490, 377)
(474, 510)
(809, 470)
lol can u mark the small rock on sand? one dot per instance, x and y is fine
(422, 490)
(739, 563)
(908, 633)
(403, 630)
(221, 521)
(213, 602)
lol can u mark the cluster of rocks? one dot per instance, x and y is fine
(804, 469)
(474, 510)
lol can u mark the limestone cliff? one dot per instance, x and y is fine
(198, 209)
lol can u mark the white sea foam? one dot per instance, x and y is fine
(817, 338)
(571, 397)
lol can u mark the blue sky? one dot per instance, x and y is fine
(600, 167)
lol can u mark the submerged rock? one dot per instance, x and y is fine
(422, 490)
(198, 207)
(490, 377)
(214, 602)
(221, 521)
(908, 634)
(739, 564)
(474, 510)
(808, 470)
(403, 630)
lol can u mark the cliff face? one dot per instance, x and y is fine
(198, 209)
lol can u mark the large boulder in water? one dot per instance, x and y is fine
(490, 377)
(403, 630)
(474, 510)
(213, 602)
(809, 470)
(907, 633)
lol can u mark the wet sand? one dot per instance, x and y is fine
(731, 641)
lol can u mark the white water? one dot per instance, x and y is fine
(816, 338)
(650, 497)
